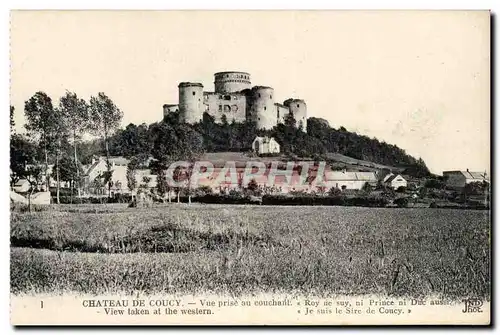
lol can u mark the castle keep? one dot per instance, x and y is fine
(235, 98)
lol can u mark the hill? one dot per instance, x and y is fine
(335, 160)
(341, 148)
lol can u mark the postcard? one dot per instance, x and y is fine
(250, 167)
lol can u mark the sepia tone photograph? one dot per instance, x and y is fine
(250, 167)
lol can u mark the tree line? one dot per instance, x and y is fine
(55, 132)
(208, 136)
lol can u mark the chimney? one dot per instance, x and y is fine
(467, 170)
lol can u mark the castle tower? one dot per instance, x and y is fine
(191, 106)
(231, 81)
(298, 108)
(262, 107)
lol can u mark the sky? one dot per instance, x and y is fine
(420, 79)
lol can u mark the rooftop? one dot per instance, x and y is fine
(189, 84)
(469, 174)
(225, 72)
(262, 87)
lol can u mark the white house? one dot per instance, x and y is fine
(265, 145)
(119, 167)
(350, 179)
(21, 186)
(458, 179)
(394, 181)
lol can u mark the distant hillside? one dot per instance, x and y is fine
(343, 149)
(352, 164)
(335, 160)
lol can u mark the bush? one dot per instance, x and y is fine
(203, 190)
(434, 183)
(401, 189)
(223, 199)
(23, 208)
(118, 198)
(309, 200)
(401, 202)
(335, 191)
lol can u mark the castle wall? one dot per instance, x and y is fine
(231, 81)
(237, 100)
(299, 109)
(169, 108)
(263, 111)
(281, 112)
(231, 105)
(191, 106)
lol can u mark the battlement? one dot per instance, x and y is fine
(189, 84)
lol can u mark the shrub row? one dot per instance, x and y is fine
(118, 198)
(285, 200)
(324, 201)
(469, 205)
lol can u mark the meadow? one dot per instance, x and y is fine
(197, 249)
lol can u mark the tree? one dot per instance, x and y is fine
(23, 153)
(34, 177)
(162, 184)
(131, 171)
(177, 143)
(59, 138)
(75, 113)
(105, 117)
(69, 171)
(476, 188)
(367, 188)
(42, 125)
(133, 141)
(252, 186)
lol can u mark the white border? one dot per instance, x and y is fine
(183, 4)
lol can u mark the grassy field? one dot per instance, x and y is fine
(178, 248)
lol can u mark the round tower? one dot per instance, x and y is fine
(263, 109)
(298, 108)
(191, 102)
(231, 81)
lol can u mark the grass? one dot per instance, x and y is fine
(251, 249)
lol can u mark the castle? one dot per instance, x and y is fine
(235, 98)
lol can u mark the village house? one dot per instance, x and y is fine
(94, 172)
(394, 181)
(458, 179)
(351, 180)
(265, 145)
(22, 186)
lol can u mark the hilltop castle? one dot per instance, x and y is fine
(235, 98)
